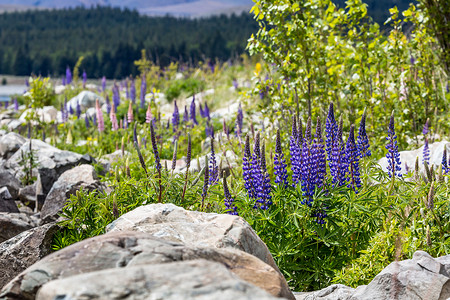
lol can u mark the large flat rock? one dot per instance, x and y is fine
(199, 279)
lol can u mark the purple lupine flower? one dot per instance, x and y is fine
(113, 117)
(100, 121)
(412, 60)
(63, 117)
(445, 167)
(352, 160)
(86, 121)
(130, 113)
(308, 175)
(213, 168)
(116, 96)
(133, 91)
(155, 148)
(229, 201)
(103, 84)
(280, 164)
(27, 83)
(211, 66)
(295, 153)
(143, 90)
(84, 78)
(206, 181)
(338, 164)
(6, 105)
(393, 156)
(202, 113)
(266, 184)
(426, 152)
(206, 111)
(426, 128)
(363, 141)
(168, 124)
(240, 118)
(16, 104)
(319, 157)
(331, 129)
(257, 175)
(175, 116)
(63, 80)
(247, 170)
(68, 75)
(186, 115)
(148, 114)
(235, 84)
(78, 108)
(207, 130)
(94, 120)
(108, 105)
(192, 111)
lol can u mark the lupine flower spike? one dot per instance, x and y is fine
(130, 113)
(319, 157)
(280, 164)
(445, 167)
(157, 160)
(113, 118)
(393, 156)
(138, 150)
(100, 121)
(363, 141)
(426, 152)
(192, 110)
(188, 164)
(257, 176)
(352, 160)
(338, 165)
(308, 169)
(247, 170)
(206, 181)
(213, 168)
(148, 114)
(174, 156)
(175, 117)
(229, 201)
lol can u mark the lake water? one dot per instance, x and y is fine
(6, 91)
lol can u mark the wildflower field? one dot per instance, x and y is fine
(288, 138)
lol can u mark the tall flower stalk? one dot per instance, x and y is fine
(393, 156)
(157, 160)
(100, 121)
(280, 164)
(188, 164)
(352, 159)
(362, 141)
(229, 201)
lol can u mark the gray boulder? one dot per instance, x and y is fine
(194, 228)
(51, 162)
(130, 249)
(23, 250)
(199, 279)
(408, 158)
(9, 181)
(81, 177)
(10, 143)
(7, 203)
(421, 277)
(11, 224)
(332, 292)
(86, 99)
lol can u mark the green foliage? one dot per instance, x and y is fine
(188, 86)
(316, 54)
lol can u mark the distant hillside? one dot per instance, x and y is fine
(111, 39)
(187, 8)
